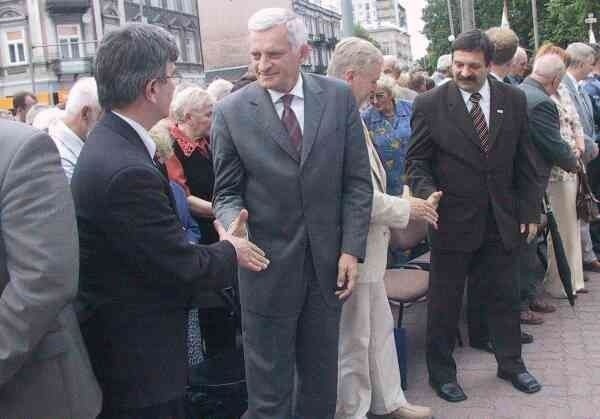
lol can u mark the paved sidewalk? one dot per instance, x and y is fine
(565, 358)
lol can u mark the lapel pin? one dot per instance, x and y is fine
(500, 110)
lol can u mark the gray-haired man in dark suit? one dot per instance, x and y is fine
(290, 149)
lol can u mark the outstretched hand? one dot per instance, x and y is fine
(249, 255)
(421, 209)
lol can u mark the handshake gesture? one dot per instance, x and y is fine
(423, 209)
(249, 255)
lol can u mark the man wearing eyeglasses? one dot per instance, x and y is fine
(138, 270)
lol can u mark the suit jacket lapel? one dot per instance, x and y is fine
(313, 112)
(376, 165)
(496, 110)
(458, 111)
(266, 115)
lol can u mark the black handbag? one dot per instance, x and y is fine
(587, 204)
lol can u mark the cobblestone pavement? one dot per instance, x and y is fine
(565, 358)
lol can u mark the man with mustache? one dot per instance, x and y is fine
(470, 140)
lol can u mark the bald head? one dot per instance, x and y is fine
(549, 70)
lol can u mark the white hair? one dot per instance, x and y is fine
(45, 118)
(161, 135)
(579, 53)
(34, 111)
(187, 100)
(549, 67)
(83, 93)
(392, 61)
(219, 88)
(444, 62)
(268, 18)
(353, 54)
(388, 83)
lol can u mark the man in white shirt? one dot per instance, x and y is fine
(82, 111)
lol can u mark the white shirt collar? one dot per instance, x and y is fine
(297, 91)
(497, 77)
(60, 131)
(570, 76)
(484, 92)
(141, 131)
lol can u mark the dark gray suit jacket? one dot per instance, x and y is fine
(318, 200)
(44, 367)
(544, 129)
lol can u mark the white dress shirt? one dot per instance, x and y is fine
(69, 145)
(141, 131)
(297, 104)
(484, 103)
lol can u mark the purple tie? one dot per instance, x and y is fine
(291, 122)
(480, 123)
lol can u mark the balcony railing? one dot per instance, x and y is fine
(67, 6)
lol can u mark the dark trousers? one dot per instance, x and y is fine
(492, 273)
(299, 352)
(174, 409)
(530, 275)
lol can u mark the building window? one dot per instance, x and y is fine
(179, 5)
(69, 38)
(15, 42)
(190, 48)
(178, 42)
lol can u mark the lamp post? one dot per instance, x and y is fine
(451, 19)
(536, 36)
(467, 15)
(347, 18)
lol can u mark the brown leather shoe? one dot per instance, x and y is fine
(592, 267)
(530, 317)
(541, 306)
(582, 291)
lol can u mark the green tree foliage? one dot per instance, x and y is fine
(559, 21)
(565, 20)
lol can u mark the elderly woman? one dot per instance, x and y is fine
(219, 88)
(562, 191)
(191, 167)
(160, 133)
(388, 122)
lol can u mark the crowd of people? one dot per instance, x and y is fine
(123, 211)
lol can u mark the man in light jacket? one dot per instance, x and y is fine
(369, 376)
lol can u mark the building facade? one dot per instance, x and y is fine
(385, 20)
(47, 44)
(225, 35)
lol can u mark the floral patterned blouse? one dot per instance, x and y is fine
(570, 129)
(391, 138)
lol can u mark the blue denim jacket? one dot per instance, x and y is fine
(391, 139)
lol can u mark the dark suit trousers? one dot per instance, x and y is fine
(530, 274)
(492, 273)
(298, 352)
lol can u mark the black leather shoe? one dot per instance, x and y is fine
(523, 381)
(526, 338)
(450, 392)
(485, 346)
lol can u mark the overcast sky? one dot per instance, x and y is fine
(418, 41)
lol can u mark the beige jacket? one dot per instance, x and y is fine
(387, 212)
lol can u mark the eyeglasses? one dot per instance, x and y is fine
(176, 77)
(378, 96)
